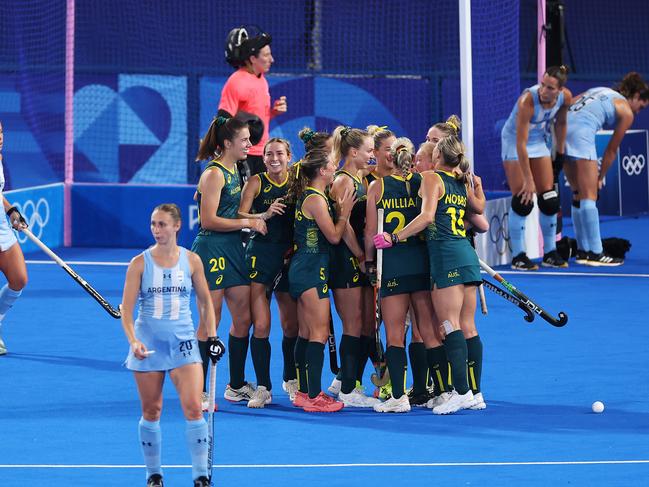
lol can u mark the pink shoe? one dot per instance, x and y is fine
(301, 398)
(323, 403)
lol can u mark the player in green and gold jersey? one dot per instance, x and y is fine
(218, 242)
(405, 276)
(314, 232)
(453, 262)
(347, 279)
(263, 197)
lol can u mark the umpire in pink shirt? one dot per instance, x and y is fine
(246, 94)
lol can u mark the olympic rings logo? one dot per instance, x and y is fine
(499, 232)
(37, 215)
(633, 165)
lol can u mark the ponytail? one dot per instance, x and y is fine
(221, 129)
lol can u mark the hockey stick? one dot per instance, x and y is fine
(483, 299)
(80, 280)
(529, 315)
(278, 277)
(333, 359)
(558, 322)
(381, 376)
(210, 422)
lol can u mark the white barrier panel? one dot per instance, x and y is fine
(493, 246)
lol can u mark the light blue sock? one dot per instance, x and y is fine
(549, 231)
(580, 232)
(590, 221)
(516, 232)
(151, 444)
(7, 299)
(196, 434)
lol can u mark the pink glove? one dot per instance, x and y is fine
(382, 241)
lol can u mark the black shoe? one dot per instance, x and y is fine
(202, 481)
(581, 256)
(522, 263)
(553, 259)
(418, 400)
(602, 259)
(155, 481)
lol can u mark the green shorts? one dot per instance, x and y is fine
(265, 261)
(453, 262)
(405, 270)
(345, 269)
(307, 271)
(223, 259)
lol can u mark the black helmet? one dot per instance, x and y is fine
(244, 42)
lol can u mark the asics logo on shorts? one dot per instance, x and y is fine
(633, 165)
(36, 214)
(499, 232)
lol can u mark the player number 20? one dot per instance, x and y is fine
(217, 264)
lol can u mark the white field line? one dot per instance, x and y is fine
(343, 465)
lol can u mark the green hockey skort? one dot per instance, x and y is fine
(223, 259)
(453, 262)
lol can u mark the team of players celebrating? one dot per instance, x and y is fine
(322, 212)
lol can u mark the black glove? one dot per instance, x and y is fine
(215, 349)
(370, 271)
(20, 218)
(557, 164)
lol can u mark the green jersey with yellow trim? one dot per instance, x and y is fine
(451, 207)
(230, 193)
(400, 203)
(280, 227)
(307, 235)
(371, 177)
(357, 217)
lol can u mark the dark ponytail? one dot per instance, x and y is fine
(221, 129)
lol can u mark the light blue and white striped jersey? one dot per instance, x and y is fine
(539, 124)
(594, 108)
(165, 293)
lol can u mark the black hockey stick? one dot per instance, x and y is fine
(210, 422)
(558, 322)
(333, 358)
(529, 316)
(80, 280)
(282, 271)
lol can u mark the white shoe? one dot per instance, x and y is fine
(478, 402)
(3, 347)
(455, 403)
(392, 405)
(438, 400)
(244, 393)
(290, 387)
(334, 388)
(356, 399)
(260, 398)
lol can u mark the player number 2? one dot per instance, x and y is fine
(400, 218)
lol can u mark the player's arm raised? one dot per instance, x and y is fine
(339, 186)
(211, 184)
(316, 208)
